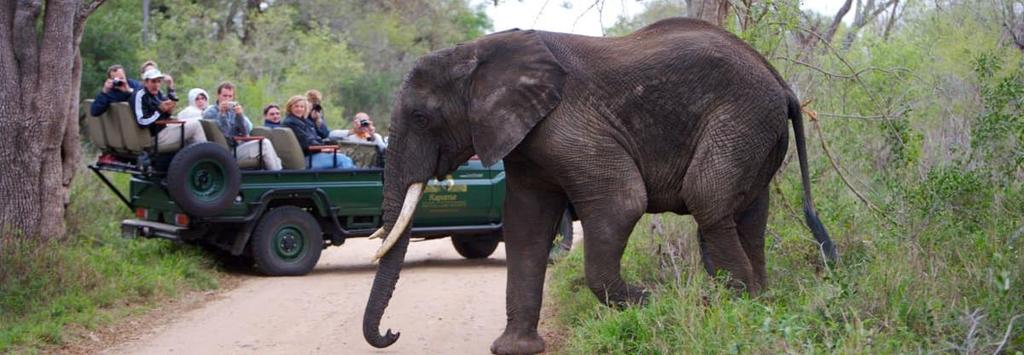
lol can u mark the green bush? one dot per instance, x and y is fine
(93, 277)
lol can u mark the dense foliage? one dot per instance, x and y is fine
(925, 120)
(355, 52)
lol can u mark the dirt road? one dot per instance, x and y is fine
(443, 304)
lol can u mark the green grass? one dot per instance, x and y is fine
(93, 277)
(950, 278)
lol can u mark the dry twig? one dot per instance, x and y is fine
(828, 152)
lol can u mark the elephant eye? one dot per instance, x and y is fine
(420, 119)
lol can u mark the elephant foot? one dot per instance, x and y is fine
(631, 296)
(518, 342)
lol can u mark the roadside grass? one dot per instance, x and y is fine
(947, 279)
(93, 277)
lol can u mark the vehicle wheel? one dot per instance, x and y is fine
(203, 179)
(563, 240)
(476, 247)
(287, 241)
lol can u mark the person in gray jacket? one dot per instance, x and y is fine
(231, 120)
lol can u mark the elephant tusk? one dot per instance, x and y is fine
(412, 197)
(448, 183)
(378, 234)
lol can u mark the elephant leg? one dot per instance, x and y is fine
(723, 252)
(532, 213)
(725, 171)
(607, 225)
(751, 224)
(606, 239)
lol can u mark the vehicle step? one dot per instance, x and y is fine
(131, 228)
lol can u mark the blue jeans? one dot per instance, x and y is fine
(326, 161)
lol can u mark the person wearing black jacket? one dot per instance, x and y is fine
(308, 135)
(117, 88)
(151, 105)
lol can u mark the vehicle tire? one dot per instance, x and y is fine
(563, 240)
(476, 247)
(287, 241)
(203, 179)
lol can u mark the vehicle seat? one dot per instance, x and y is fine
(213, 133)
(260, 131)
(94, 128)
(112, 132)
(363, 155)
(135, 139)
(288, 148)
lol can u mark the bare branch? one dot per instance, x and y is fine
(892, 20)
(89, 8)
(828, 152)
(1009, 329)
(832, 28)
(864, 16)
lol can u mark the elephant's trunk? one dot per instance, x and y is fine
(391, 255)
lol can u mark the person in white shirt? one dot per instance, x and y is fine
(198, 101)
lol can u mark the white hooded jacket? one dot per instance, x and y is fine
(192, 112)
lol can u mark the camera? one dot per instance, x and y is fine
(117, 82)
(232, 104)
(364, 123)
(318, 108)
(172, 96)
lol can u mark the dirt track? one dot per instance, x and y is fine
(443, 304)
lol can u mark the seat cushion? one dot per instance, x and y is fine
(213, 133)
(288, 149)
(94, 128)
(136, 139)
(260, 131)
(112, 131)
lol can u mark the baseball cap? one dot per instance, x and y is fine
(152, 74)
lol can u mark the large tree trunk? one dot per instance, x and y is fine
(714, 11)
(39, 77)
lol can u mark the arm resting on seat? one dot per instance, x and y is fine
(323, 148)
(169, 122)
(248, 138)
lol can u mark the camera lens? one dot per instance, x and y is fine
(364, 123)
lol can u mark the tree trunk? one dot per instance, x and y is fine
(39, 77)
(145, 22)
(713, 11)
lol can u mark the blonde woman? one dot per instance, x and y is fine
(297, 119)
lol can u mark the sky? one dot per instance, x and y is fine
(578, 16)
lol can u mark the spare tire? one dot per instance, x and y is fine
(203, 179)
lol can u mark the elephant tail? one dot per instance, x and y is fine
(824, 242)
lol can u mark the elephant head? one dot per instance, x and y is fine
(481, 98)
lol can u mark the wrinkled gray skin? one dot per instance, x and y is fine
(679, 116)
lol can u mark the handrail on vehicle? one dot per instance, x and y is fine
(110, 185)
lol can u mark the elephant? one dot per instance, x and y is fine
(679, 116)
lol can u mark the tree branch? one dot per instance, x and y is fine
(813, 117)
(892, 20)
(88, 8)
(832, 28)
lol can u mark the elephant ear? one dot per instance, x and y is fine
(516, 82)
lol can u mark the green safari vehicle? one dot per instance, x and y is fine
(281, 220)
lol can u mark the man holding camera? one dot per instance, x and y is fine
(150, 105)
(117, 88)
(362, 131)
(231, 120)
